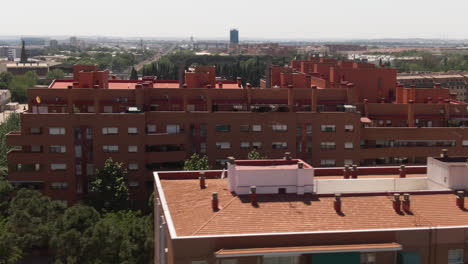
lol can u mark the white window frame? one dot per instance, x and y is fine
(110, 130)
(279, 145)
(58, 166)
(245, 145)
(456, 259)
(279, 127)
(328, 128)
(132, 130)
(223, 145)
(256, 128)
(257, 144)
(107, 109)
(348, 145)
(349, 128)
(56, 131)
(173, 129)
(151, 128)
(58, 148)
(110, 148)
(133, 148)
(133, 166)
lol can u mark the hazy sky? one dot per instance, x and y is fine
(294, 19)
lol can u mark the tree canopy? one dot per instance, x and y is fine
(109, 191)
(196, 162)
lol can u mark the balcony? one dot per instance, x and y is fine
(160, 157)
(165, 138)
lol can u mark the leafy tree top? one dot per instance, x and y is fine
(196, 162)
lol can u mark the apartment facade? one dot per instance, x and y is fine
(286, 211)
(456, 83)
(73, 126)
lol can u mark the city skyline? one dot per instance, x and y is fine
(298, 20)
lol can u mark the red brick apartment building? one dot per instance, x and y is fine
(286, 211)
(352, 113)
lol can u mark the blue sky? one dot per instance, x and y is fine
(294, 19)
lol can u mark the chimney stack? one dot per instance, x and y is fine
(354, 173)
(346, 172)
(220, 85)
(253, 195)
(406, 203)
(249, 85)
(337, 203)
(287, 156)
(461, 199)
(239, 82)
(444, 153)
(396, 203)
(214, 202)
(300, 165)
(402, 171)
(202, 180)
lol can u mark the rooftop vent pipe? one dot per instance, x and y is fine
(214, 202)
(253, 195)
(406, 203)
(402, 171)
(461, 199)
(337, 203)
(287, 156)
(202, 180)
(354, 173)
(396, 203)
(346, 172)
(444, 153)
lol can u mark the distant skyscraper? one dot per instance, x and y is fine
(234, 36)
(24, 53)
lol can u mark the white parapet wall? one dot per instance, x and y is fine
(332, 186)
(451, 174)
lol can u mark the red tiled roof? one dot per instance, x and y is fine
(191, 213)
(125, 84)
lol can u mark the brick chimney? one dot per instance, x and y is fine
(396, 203)
(354, 172)
(313, 102)
(220, 85)
(202, 180)
(337, 203)
(461, 199)
(239, 82)
(444, 153)
(406, 203)
(346, 172)
(214, 202)
(253, 195)
(402, 171)
(287, 156)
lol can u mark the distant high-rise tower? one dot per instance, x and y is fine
(24, 53)
(234, 36)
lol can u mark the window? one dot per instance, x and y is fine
(348, 145)
(107, 109)
(279, 128)
(110, 131)
(455, 256)
(244, 128)
(90, 109)
(257, 144)
(327, 145)
(133, 166)
(348, 128)
(223, 145)
(368, 258)
(110, 148)
(59, 185)
(327, 163)
(257, 128)
(203, 130)
(35, 130)
(78, 151)
(132, 130)
(279, 145)
(57, 149)
(328, 128)
(90, 169)
(245, 145)
(223, 128)
(281, 260)
(78, 169)
(36, 148)
(202, 147)
(200, 262)
(133, 184)
(465, 143)
(132, 148)
(348, 162)
(151, 128)
(309, 129)
(57, 131)
(173, 129)
(58, 166)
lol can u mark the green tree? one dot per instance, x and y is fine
(12, 123)
(55, 75)
(109, 191)
(5, 191)
(255, 155)
(67, 240)
(121, 237)
(5, 79)
(134, 74)
(10, 253)
(20, 84)
(31, 219)
(196, 162)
